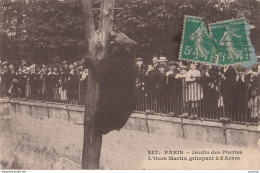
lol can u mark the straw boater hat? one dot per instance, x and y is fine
(139, 59)
(71, 66)
(11, 66)
(33, 66)
(162, 59)
(183, 67)
(5, 63)
(80, 67)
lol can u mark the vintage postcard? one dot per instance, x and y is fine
(129, 85)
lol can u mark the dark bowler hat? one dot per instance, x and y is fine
(161, 65)
(170, 63)
(139, 59)
(240, 68)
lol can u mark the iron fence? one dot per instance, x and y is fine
(205, 98)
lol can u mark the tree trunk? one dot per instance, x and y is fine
(1, 29)
(97, 48)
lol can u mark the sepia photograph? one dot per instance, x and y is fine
(129, 85)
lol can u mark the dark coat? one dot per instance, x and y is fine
(140, 71)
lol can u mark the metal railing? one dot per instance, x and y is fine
(205, 98)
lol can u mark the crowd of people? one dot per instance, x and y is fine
(173, 87)
(59, 83)
(199, 90)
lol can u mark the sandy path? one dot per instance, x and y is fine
(57, 144)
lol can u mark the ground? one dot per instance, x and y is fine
(35, 143)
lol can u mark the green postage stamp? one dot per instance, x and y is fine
(197, 44)
(231, 40)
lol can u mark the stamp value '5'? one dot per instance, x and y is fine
(197, 44)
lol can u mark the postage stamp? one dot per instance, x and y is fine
(197, 44)
(231, 40)
(251, 49)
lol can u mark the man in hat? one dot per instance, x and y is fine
(210, 81)
(83, 84)
(12, 81)
(172, 70)
(150, 86)
(183, 71)
(4, 78)
(34, 81)
(155, 64)
(1, 82)
(64, 81)
(73, 85)
(65, 65)
(140, 70)
(55, 73)
(241, 94)
(163, 60)
(26, 83)
(161, 88)
(171, 84)
(50, 82)
(5, 66)
(181, 106)
(43, 83)
(227, 88)
(21, 82)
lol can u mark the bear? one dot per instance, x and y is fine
(116, 76)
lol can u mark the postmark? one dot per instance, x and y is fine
(197, 44)
(231, 40)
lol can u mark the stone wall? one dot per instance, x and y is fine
(216, 132)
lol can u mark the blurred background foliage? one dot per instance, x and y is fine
(49, 31)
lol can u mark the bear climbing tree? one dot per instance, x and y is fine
(110, 95)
